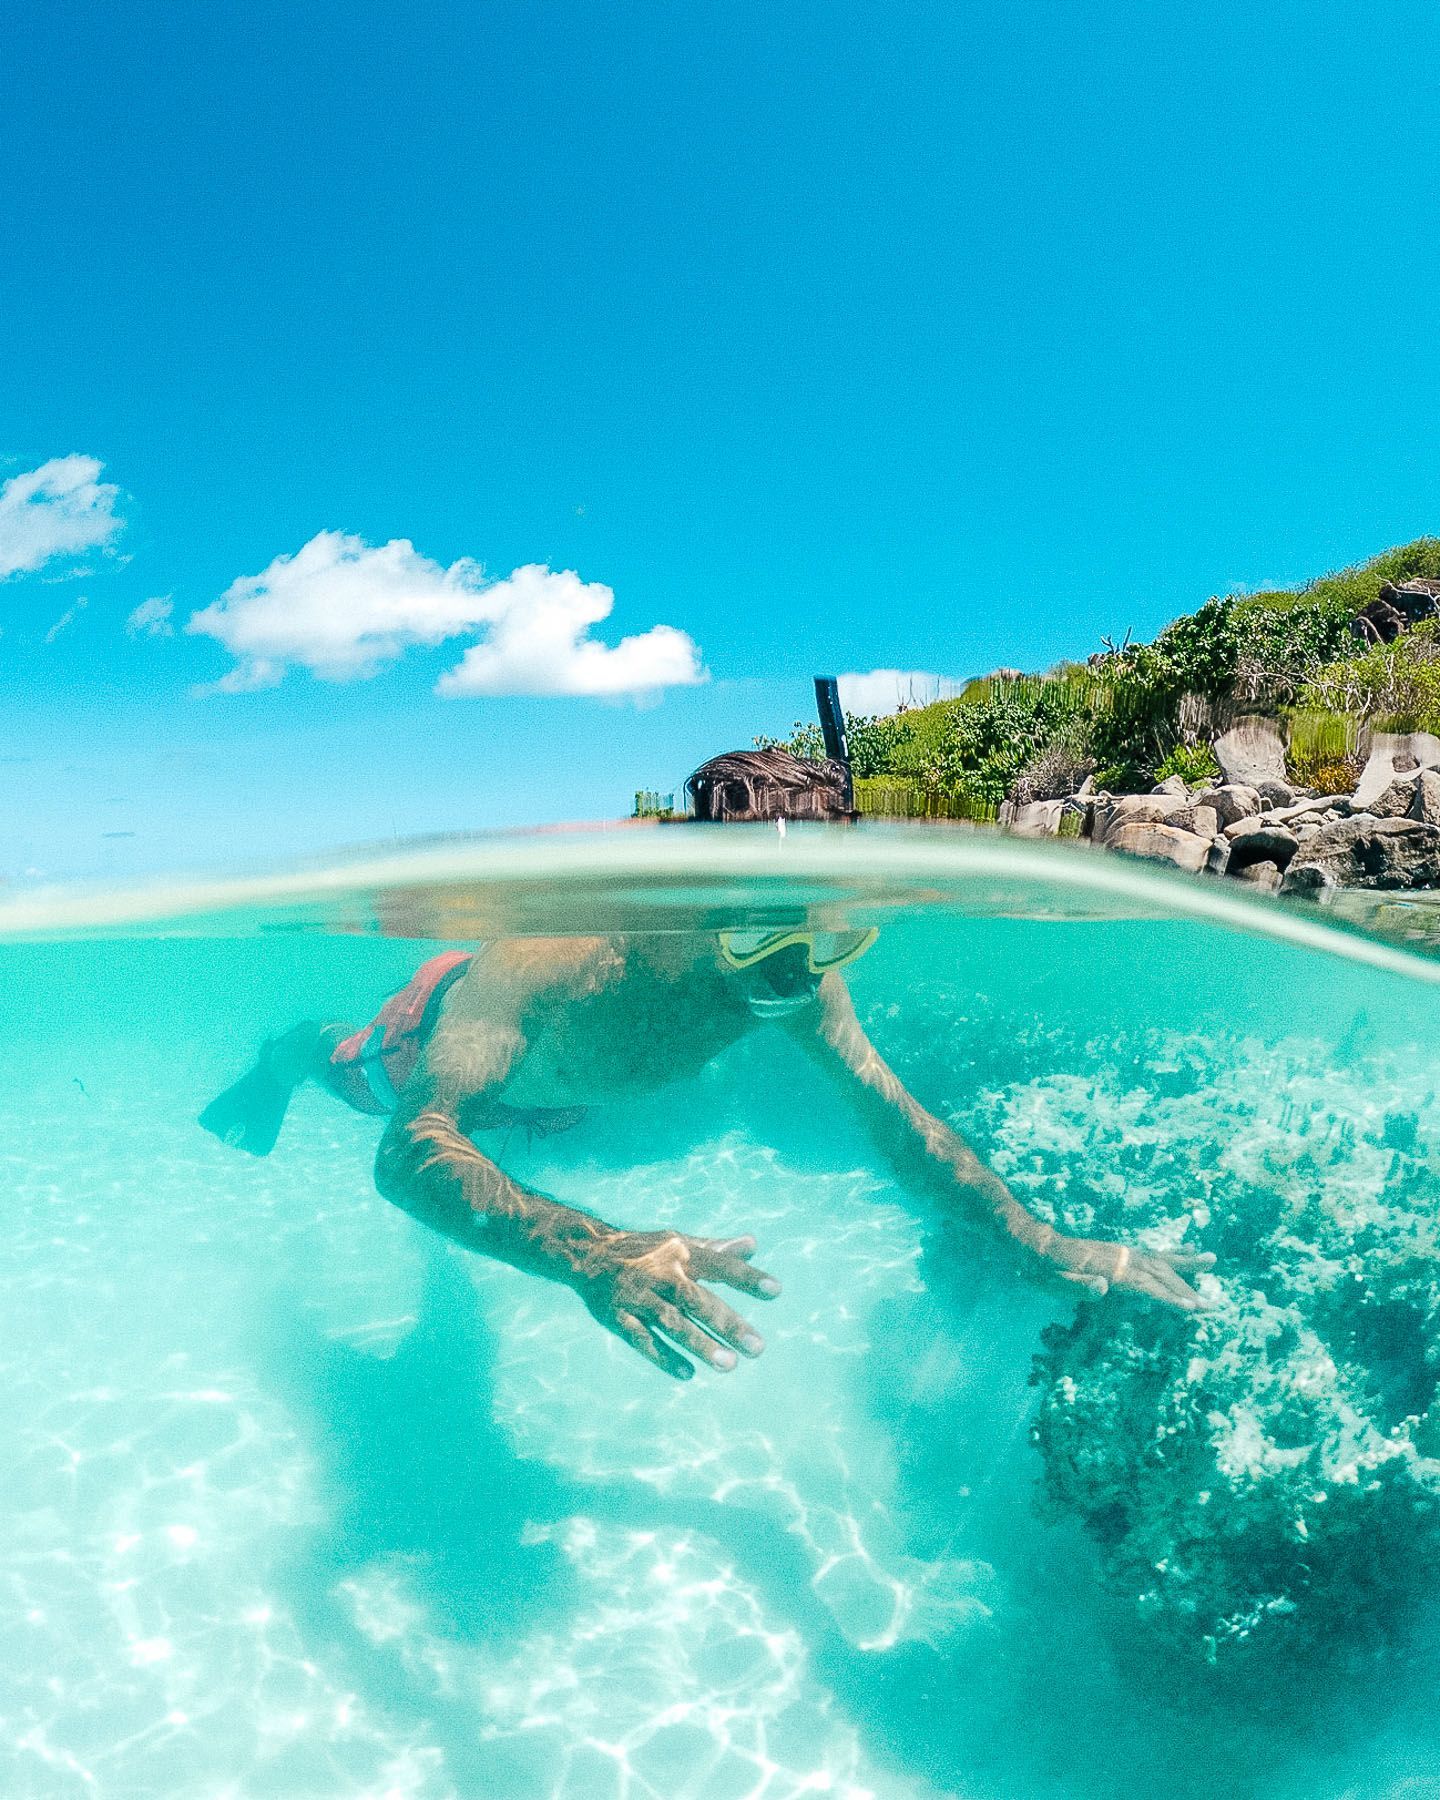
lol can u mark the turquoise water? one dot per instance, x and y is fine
(302, 1501)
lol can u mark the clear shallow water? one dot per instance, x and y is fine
(300, 1500)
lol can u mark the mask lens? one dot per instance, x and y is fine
(834, 949)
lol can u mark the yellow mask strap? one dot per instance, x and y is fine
(743, 949)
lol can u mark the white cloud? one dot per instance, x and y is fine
(883, 690)
(344, 609)
(539, 642)
(66, 620)
(151, 618)
(58, 509)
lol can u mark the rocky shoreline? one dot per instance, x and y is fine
(1255, 826)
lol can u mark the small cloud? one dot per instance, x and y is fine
(246, 677)
(345, 609)
(539, 643)
(883, 691)
(151, 618)
(58, 509)
(66, 620)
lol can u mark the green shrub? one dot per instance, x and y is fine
(1191, 762)
(1397, 686)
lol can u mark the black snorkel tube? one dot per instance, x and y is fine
(832, 729)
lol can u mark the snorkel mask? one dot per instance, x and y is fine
(824, 950)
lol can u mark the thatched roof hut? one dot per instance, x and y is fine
(770, 784)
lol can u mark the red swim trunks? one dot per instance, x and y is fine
(369, 1070)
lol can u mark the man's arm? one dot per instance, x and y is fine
(924, 1148)
(643, 1286)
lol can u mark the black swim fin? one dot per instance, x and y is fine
(249, 1114)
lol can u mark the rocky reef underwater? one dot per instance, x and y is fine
(1261, 1481)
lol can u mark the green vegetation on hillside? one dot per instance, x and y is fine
(1134, 713)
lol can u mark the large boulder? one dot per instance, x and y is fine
(1234, 801)
(1163, 843)
(1040, 818)
(1276, 793)
(1311, 808)
(1250, 752)
(1397, 799)
(1202, 819)
(1392, 754)
(1399, 605)
(1258, 841)
(1425, 801)
(1367, 852)
(1263, 875)
(1112, 811)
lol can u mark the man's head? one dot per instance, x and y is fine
(750, 785)
(781, 967)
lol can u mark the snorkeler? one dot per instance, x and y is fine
(529, 1032)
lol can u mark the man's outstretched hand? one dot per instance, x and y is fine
(645, 1286)
(1160, 1274)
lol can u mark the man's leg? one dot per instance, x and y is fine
(250, 1112)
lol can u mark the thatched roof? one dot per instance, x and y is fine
(769, 784)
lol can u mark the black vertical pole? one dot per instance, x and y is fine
(832, 727)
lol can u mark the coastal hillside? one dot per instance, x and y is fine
(1329, 664)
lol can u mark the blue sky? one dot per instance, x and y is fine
(826, 338)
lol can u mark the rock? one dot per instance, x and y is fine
(1312, 880)
(1113, 812)
(1265, 875)
(1275, 793)
(1399, 605)
(1267, 843)
(1163, 843)
(1172, 784)
(1234, 802)
(1367, 852)
(1204, 821)
(1250, 752)
(1425, 801)
(1040, 818)
(1392, 754)
(1218, 861)
(1397, 799)
(1311, 807)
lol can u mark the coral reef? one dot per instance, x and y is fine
(1261, 1481)
(1264, 1477)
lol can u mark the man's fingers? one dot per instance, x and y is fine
(743, 1247)
(676, 1326)
(720, 1320)
(717, 1262)
(654, 1349)
(1160, 1278)
(1190, 1259)
(1093, 1284)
